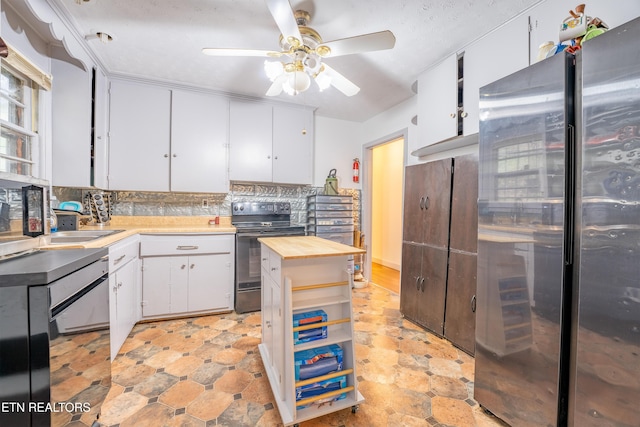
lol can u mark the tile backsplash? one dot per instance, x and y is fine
(137, 203)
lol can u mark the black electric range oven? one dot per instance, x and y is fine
(54, 337)
(252, 221)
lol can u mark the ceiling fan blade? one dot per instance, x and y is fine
(283, 15)
(239, 52)
(340, 82)
(276, 87)
(359, 44)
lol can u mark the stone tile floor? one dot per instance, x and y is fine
(207, 371)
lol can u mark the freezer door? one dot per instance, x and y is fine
(606, 390)
(521, 219)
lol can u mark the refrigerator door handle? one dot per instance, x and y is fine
(570, 185)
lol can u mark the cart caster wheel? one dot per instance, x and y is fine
(296, 425)
(354, 409)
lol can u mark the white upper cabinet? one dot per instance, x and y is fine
(250, 137)
(139, 137)
(199, 124)
(292, 145)
(498, 54)
(164, 140)
(71, 129)
(270, 143)
(438, 102)
(100, 128)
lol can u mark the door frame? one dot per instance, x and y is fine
(367, 183)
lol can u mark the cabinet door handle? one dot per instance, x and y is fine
(192, 265)
(187, 248)
(422, 284)
(426, 202)
(473, 304)
(183, 266)
(421, 203)
(418, 282)
(268, 323)
(453, 115)
(119, 285)
(166, 155)
(463, 114)
(120, 258)
(274, 268)
(264, 259)
(175, 155)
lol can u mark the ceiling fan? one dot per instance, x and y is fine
(303, 51)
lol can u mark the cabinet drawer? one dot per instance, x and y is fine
(344, 238)
(156, 245)
(331, 206)
(122, 252)
(330, 228)
(329, 214)
(275, 263)
(330, 199)
(330, 221)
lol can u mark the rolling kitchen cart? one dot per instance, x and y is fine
(307, 274)
(331, 217)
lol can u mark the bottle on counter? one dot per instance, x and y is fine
(53, 218)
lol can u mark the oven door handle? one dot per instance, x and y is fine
(268, 234)
(62, 306)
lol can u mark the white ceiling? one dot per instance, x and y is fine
(162, 40)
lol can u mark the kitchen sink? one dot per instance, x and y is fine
(79, 236)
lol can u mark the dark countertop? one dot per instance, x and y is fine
(44, 267)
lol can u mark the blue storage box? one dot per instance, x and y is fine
(317, 361)
(322, 387)
(306, 318)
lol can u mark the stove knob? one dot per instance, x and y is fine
(235, 208)
(241, 207)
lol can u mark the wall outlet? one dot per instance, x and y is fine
(205, 203)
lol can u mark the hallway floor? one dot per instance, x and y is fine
(207, 371)
(388, 278)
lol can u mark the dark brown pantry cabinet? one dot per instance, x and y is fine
(438, 278)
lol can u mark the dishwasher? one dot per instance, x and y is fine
(54, 336)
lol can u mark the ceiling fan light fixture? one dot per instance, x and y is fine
(273, 69)
(299, 81)
(323, 80)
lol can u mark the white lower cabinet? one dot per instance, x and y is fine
(123, 291)
(293, 286)
(186, 274)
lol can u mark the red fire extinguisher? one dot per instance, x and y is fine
(356, 170)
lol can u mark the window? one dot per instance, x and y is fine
(18, 103)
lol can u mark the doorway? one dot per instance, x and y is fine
(384, 189)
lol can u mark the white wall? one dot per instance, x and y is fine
(388, 173)
(392, 121)
(337, 143)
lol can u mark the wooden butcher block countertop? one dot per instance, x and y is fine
(307, 247)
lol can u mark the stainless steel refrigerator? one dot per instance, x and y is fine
(558, 291)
